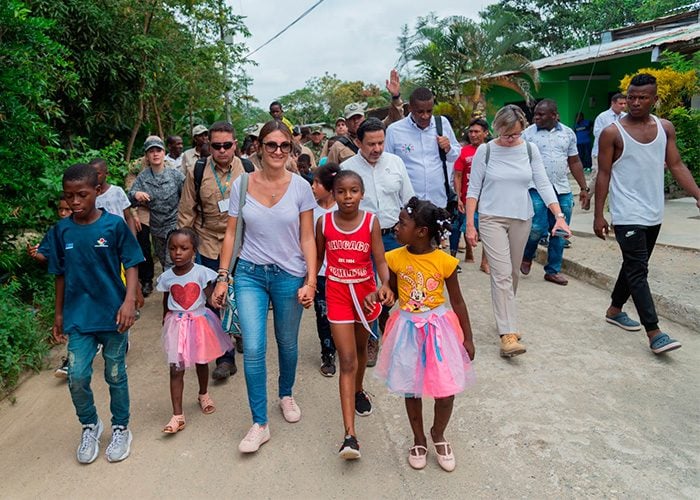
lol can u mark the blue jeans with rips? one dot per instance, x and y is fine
(82, 348)
(542, 223)
(256, 285)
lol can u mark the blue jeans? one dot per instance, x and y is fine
(256, 286)
(323, 326)
(459, 220)
(542, 223)
(82, 348)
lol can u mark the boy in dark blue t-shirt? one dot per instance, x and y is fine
(93, 306)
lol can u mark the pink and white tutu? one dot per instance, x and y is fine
(193, 337)
(423, 354)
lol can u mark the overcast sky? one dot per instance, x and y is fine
(355, 39)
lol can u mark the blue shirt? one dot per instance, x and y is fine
(418, 148)
(583, 131)
(89, 257)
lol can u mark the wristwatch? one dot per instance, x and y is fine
(586, 189)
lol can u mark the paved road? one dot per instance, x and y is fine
(587, 412)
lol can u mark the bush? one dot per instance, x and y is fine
(23, 330)
(687, 123)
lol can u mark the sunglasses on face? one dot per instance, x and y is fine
(271, 147)
(221, 145)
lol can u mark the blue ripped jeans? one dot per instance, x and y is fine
(542, 223)
(256, 285)
(82, 348)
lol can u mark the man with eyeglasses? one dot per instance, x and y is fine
(354, 113)
(557, 145)
(200, 137)
(207, 211)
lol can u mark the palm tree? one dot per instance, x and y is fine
(460, 58)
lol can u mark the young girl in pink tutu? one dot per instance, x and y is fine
(192, 333)
(427, 349)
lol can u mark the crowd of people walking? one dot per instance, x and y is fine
(350, 226)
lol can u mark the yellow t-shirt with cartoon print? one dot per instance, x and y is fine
(420, 278)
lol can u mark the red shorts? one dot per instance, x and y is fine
(342, 307)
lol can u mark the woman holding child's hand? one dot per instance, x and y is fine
(277, 266)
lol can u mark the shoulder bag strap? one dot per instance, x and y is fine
(239, 226)
(443, 156)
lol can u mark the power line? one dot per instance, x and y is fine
(302, 16)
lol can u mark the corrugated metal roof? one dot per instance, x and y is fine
(617, 48)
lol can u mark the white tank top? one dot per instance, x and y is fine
(637, 180)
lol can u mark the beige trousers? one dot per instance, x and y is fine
(504, 241)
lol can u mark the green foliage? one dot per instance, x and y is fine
(86, 78)
(23, 330)
(687, 124)
(553, 27)
(322, 99)
(458, 58)
(679, 62)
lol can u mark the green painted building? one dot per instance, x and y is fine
(585, 79)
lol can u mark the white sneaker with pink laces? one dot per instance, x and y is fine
(290, 410)
(256, 437)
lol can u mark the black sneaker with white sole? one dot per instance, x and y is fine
(350, 450)
(363, 405)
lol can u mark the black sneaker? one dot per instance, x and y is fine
(327, 365)
(350, 449)
(224, 370)
(363, 405)
(459, 269)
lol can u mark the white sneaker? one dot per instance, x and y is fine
(290, 409)
(256, 437)
(90, 442)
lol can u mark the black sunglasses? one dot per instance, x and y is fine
(218, 145)
(271, 147)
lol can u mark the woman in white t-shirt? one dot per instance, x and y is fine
(277, 265)
(500, 184)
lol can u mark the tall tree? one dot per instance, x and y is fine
(458, 58)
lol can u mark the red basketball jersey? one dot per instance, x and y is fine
(348, 253)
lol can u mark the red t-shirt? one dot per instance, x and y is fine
(464, 165)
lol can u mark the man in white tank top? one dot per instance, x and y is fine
(631, 161)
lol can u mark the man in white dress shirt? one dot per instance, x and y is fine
(618, 103)
(387, 190)
(416, 141)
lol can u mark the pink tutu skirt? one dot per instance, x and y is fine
(193, 337)
(423, 355)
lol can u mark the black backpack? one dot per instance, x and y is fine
(198, 174)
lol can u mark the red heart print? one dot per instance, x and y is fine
(185, 295)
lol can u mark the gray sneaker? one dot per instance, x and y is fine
(120, 445)
(90, 443)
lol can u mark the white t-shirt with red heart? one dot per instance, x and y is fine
(186, 291)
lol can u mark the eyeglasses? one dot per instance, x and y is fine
(511, 137)
(219, 145)
(271, 147)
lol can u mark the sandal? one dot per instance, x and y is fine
(206, 404)
(446, 461)
(176, 424)
(415, 458)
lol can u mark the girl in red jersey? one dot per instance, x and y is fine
(350, 238)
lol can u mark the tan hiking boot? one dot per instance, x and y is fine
(510, 346)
